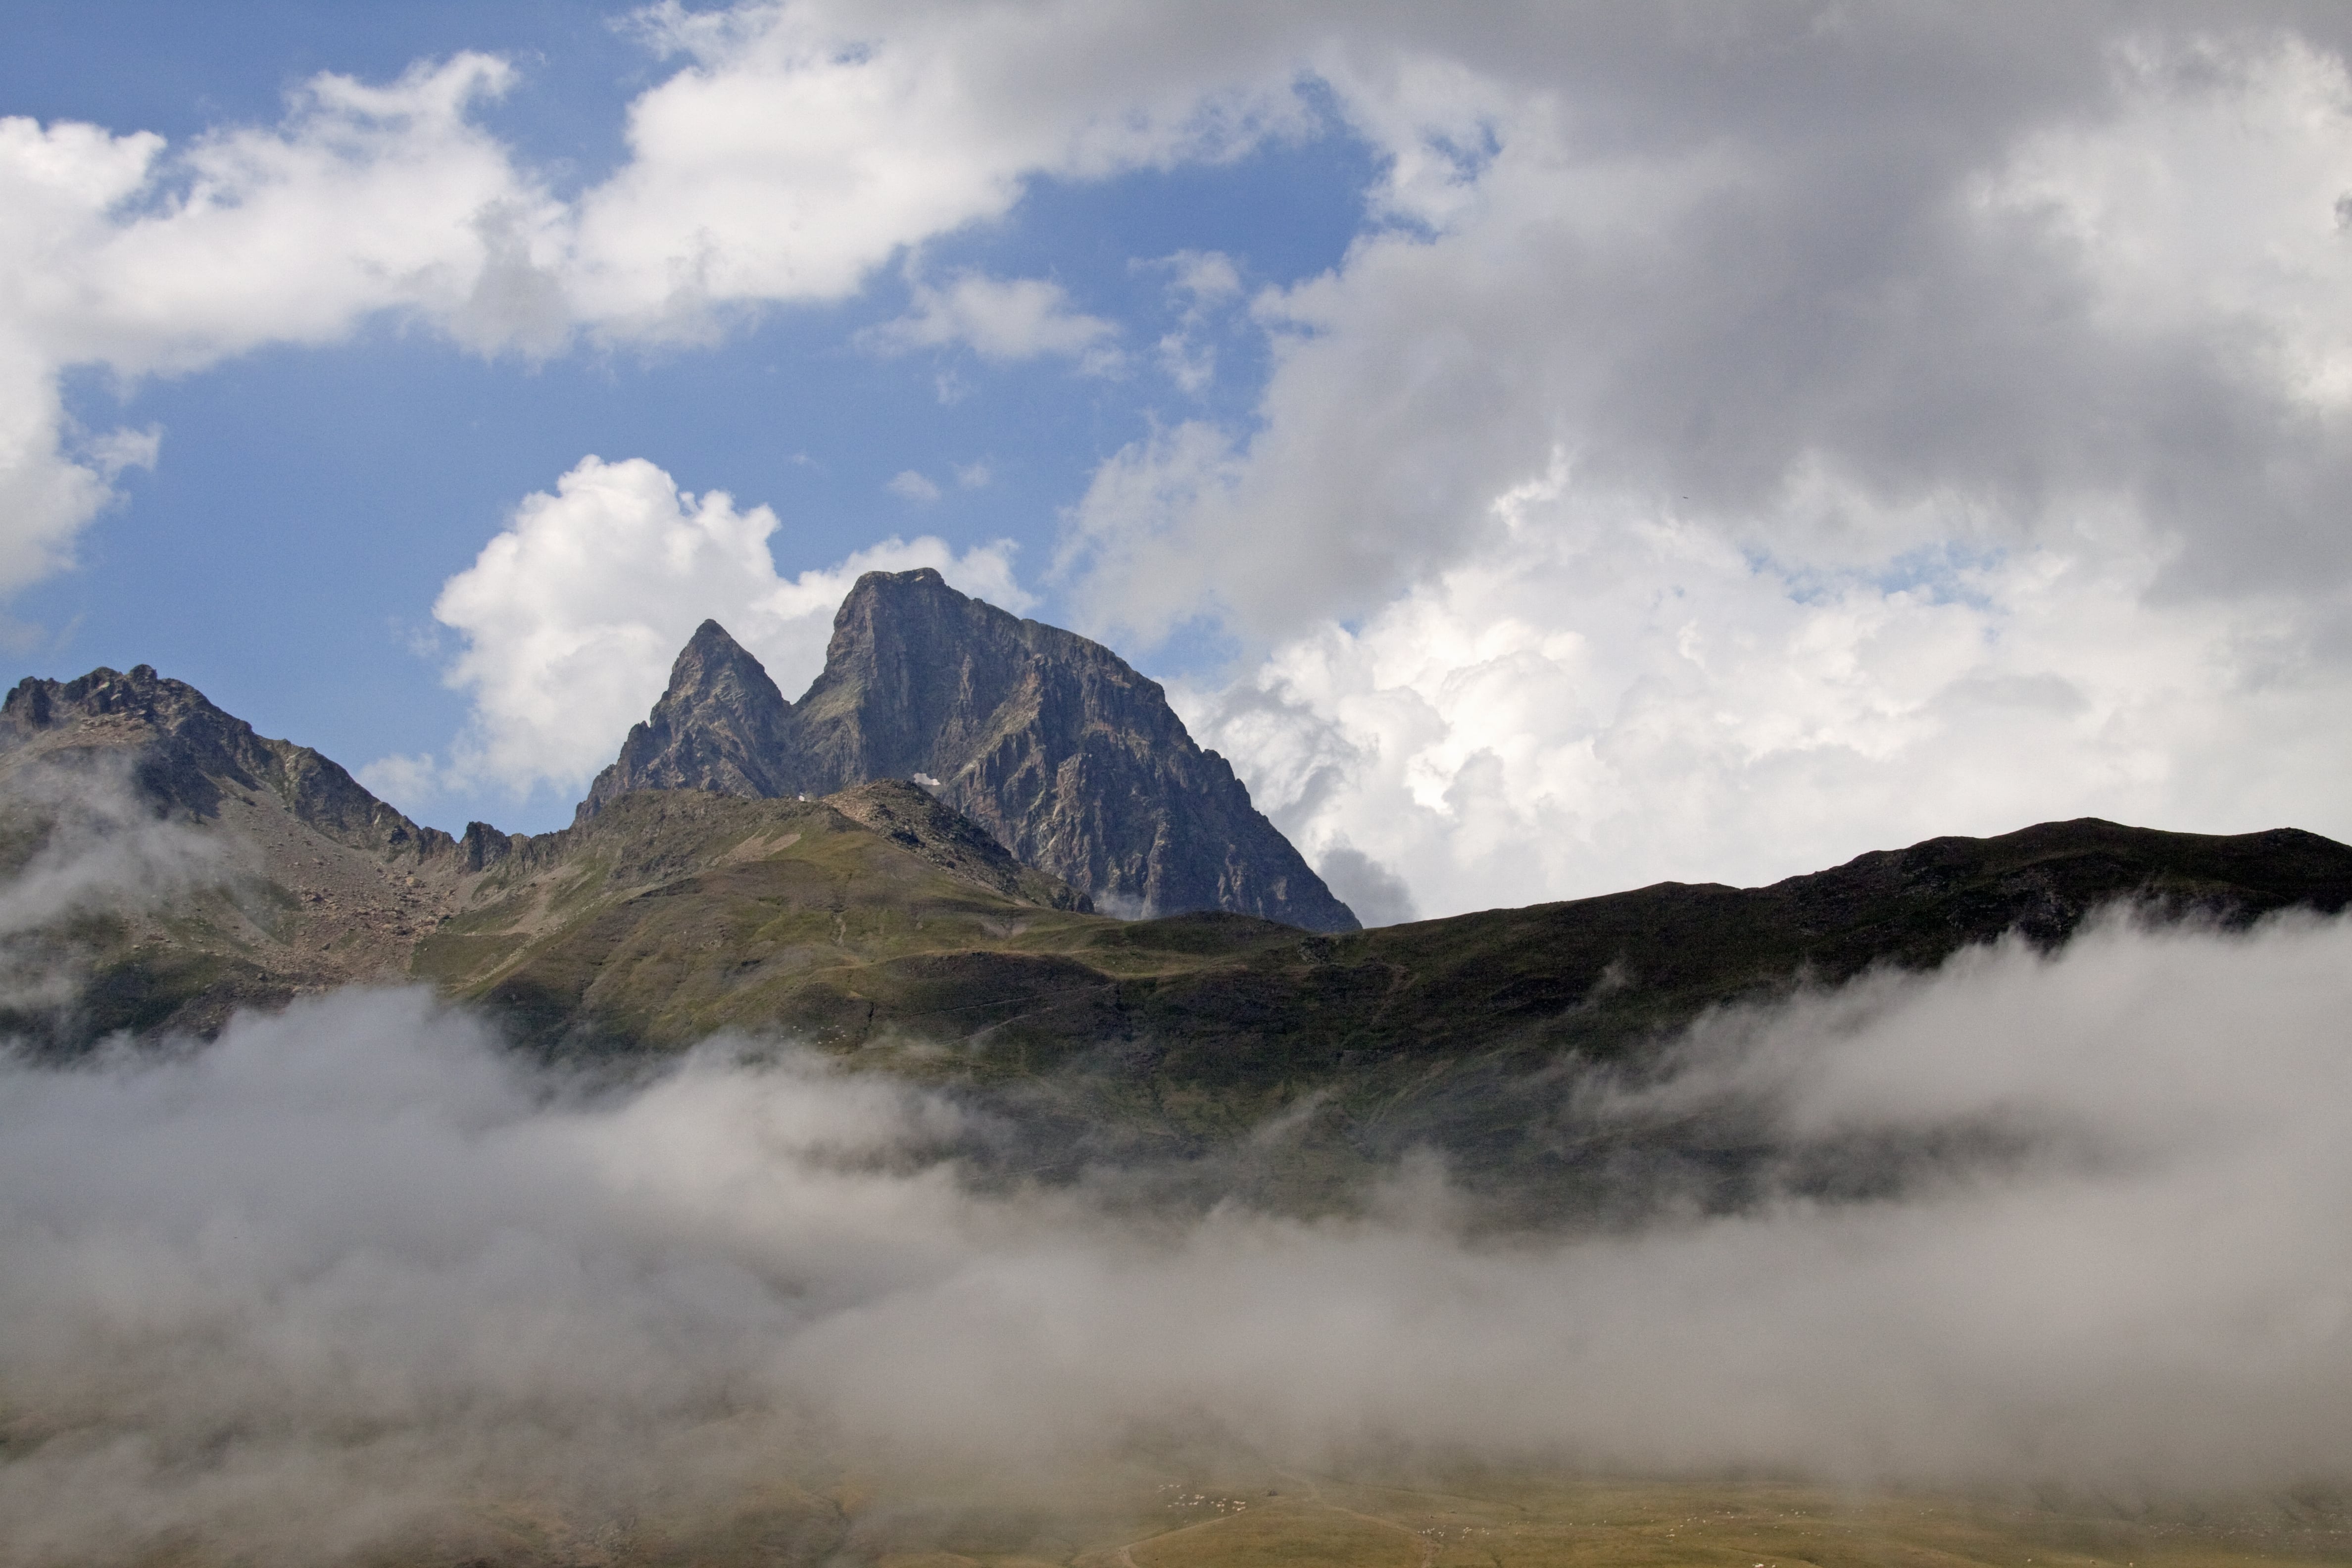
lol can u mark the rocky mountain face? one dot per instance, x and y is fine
(1052, 743)
(907, 816)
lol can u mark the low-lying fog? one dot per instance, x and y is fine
(351, 1266)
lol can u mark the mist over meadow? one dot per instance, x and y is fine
(1525, 450)
(347, 1271)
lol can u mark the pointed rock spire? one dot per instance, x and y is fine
(719, 726)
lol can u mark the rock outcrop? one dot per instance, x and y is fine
(909, 817)
(1053, 743)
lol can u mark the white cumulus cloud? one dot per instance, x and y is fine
(802, 146)
(119, 254)
(1699, 270)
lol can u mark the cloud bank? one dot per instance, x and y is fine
(350, 1275)
(1712, 472)
(1605, 698)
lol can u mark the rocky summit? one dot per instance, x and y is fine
(1053, 743)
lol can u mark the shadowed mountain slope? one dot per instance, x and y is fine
(1171, 1045)
(1051, 742)
(1253, 1000)
(909, 817)
(206, 866)
(191, 755)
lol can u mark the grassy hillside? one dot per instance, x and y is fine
(673, 914)
(1168, 1042)
(686, 913)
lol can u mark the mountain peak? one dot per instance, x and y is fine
(1054, 745)
(710, 636)
(713, 664)
(719, 727)
(190, 754)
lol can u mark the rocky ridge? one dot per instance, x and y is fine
(230, 869)
(208, 867)
(909, 817)
(191, 755)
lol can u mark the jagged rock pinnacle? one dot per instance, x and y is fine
(719, 726)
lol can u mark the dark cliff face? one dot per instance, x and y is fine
(1069, 758)
(720, 727)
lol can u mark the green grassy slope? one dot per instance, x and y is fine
(673, 914)
(689, 912)
(677, 915)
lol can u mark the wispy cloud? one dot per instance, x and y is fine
(1001, 320)
(908, 485)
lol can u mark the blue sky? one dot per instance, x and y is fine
(1516, 436)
